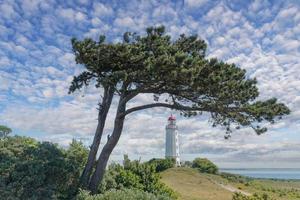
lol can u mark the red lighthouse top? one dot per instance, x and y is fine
(172, 118)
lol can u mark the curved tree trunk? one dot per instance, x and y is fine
(107, 149)
(103, 110)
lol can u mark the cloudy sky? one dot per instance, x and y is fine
(37, 65)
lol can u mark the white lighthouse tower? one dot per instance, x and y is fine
(172, 142)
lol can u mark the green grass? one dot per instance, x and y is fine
(192, 185)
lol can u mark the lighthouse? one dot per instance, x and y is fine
(172, 142)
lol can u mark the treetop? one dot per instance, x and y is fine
(157, 64)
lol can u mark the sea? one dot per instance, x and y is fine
(287, 174)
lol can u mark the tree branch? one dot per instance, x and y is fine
(171, 106)
(180, 107)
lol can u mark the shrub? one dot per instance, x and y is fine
(240, 196)
(34, 170)
(204, 165)
(134, 175)
(41, 170)
(187, 164)
(4, 131)
(162, 164)
(126, 194)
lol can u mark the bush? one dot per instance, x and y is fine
(240, 196)
(187, 164)
(204, 165)
(162, 164)
(34, 170)
(126, 194)
(236, 178)
(41, 170)
(4, 131)
(134, 175)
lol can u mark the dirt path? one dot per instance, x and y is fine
(230, 188)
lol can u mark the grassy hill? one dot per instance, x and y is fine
(192, 185)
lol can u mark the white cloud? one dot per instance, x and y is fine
(96, 32)
(4, 61)
(5, 31)
(195, 3)
(84, 2)
(102, 10)
(72, 15)
(53, 120)
(96, 21)
(48, 93)
(4, 82)
(67, 60)
(164, 12)
(287, 13)
(79, 16)
(67, 13)
(257, 5)
(126, 22)
(30, 6)
(7, 11)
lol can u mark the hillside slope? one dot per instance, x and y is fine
(192, 185)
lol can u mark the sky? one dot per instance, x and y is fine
(37, 66)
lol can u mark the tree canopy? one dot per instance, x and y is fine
(178, 75)
(4, 131)
(156, 64)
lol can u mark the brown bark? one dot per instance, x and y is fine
(103, 110)
(107, 149)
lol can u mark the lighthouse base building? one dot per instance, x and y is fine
(172, 140)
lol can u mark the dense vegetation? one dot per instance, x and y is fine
(204, 165)
(41, 170)
(125, 194)
(134, 175)
(162, 164)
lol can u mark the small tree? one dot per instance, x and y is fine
(162, 164)
(155, 64)
(134, 175)
(33, 170)
(204, 165)
(4, 131)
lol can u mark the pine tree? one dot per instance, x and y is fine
(155, 64)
